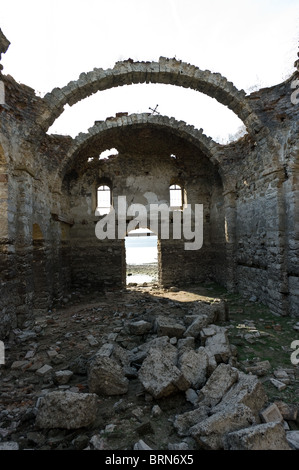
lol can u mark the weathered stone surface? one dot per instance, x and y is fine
(221, 380)
(218, 345)
(260, 368)
(293, 439)
(288, 411)
(193, 365)
(268, 436)
(106, 376)
(62, 377)
(140, 327)
(166, 326)
(141, 445)
(200, 321)
(249, 391)
(185, 421)
(271, 413)
(159, 376)
(66, 410)
(9, 445)
(210, 432)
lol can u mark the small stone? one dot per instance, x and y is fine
(279, 385)
(9, 446)
(271, 413)
(92, 340)
(52, 353)
(63, 376)
(19, 364)
(44, 370)
(191, 396)
(156, 411)
(141, 445)
(178, 446)
(293, 439)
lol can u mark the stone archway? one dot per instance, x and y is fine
(115, 125)
(166, 71)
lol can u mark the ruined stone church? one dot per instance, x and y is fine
(49, 186)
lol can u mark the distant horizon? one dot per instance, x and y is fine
(141, 250)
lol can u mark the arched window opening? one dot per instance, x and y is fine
(103, 200)
(176, 197)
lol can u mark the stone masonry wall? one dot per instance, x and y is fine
(249, 190)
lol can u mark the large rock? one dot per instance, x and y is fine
(185, 421)
(67, 410)
(221, 380)
(210, 432)
(106, 376)
(140, 327)
(218, 345)
(249, 391)
(268, 436)
(193, 365)
(199, 322)
(159, 375)
(166, 326)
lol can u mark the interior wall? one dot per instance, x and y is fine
(143, 175)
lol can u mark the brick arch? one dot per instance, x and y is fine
(166, 71)
(207, 145)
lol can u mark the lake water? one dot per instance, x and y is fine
(141, 250)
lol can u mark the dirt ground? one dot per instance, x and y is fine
(71, 333)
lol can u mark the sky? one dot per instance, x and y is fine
(253, 43)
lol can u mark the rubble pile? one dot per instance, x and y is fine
(153, 374)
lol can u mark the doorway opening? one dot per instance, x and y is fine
(141, 250)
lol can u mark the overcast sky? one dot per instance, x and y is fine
(253, 43)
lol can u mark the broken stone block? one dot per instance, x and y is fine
(268, 436)
(191, 396)
(92, 340)
(199, 322)
(166, 326)
(249, 391)
(185, 421)
(221, 380)
(271, 413)
(44, 370)
(185, 344)
(106, 376)
(216, 310)
(140, 327)
(206, 333)
(178, 446)
(9, 445)
(141, 445)
(66, 410)
(293, 439)
(19, 365)
(160, 376)
(210, 432)
(106, 350)
(289, 411)
(282, 376)
(193, 365)
(62, 377)
(260, 368)
(279, 385)
(218, 345)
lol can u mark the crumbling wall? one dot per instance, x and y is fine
(147, 164)
(249, 190)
